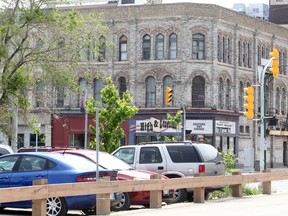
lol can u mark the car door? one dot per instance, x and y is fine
(30, 168)
(150, 158)
(7, 165)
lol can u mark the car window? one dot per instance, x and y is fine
(7, 163)
(113, 163)
(126, 154)
(150, 155)
(30, 163)
(182, 154)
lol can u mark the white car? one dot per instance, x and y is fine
(5, 149)
(174, 160)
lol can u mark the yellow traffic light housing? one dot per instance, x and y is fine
(250, 102)
(168, 97)
(275, 62)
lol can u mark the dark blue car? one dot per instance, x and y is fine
(22, 169)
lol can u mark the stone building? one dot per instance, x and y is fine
(207, 54)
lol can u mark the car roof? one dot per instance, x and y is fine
(5, 149)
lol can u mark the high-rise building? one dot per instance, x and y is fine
(279, 12)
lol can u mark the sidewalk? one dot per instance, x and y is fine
(260, 205)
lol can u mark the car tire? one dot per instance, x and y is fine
(180, 195)
(124, 204)
(56, 206)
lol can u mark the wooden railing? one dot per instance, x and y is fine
(40, 191)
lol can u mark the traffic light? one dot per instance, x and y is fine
(275, 62)
(250, 102)
(168, 98)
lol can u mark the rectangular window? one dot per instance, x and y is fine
(123, 50)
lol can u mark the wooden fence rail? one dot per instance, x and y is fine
(39, 193)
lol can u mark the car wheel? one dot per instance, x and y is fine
(124, 204)
(180, 195)
(56, 206)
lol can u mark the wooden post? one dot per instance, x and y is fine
(237, 189)
(156, 196)
(199, 193)
(266, 186)
(103, 201)
(39, 206)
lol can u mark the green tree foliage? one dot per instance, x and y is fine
(174, 122)
(38, 42)
(112, 113)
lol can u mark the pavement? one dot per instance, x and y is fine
(257, 205)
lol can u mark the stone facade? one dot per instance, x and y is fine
(214, 22)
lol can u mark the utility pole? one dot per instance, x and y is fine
(275, 71)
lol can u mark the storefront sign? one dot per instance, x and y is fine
(200, 126)
(153, 125)
(225, 127)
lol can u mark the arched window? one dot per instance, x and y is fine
(198, 46)
(258, 55)
(122, 86)
(228, 95)
(219, 48)
(241, 130)
(239, 53)
(249, 55)
(60, 96)
(278, 99)
(241, 95)
(229, 52)
(83, 92)
(224, 53)
(61, 48)
(172, 46)
(221, 93)
(146, 47)
(98, 86)
(283, 102)
(150, 92)
(123, 48)
(159, 47)
(102, 49)
(198, 92)
(167, 81)
(39, 93)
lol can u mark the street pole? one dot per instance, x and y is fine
(184, 118)
(262, 117)
(97, 143)
(86, 120)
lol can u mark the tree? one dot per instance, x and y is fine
(41, 44)
(113, 112)
(175, 120)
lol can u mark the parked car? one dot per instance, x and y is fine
(5, 149)
(174, 160)
(21, 169)
(125, 172)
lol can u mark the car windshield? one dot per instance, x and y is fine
(109, 161)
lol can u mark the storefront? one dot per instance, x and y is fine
(214, 127)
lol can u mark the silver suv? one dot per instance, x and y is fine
(174, 160)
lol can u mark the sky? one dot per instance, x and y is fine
(224, 3)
